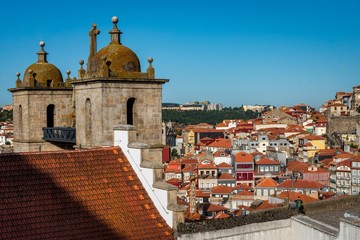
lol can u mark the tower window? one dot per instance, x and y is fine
(130, 111)
(88, 122)
(50, 115)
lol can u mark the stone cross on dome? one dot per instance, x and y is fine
(93, 45)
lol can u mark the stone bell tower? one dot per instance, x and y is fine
(42, 99)
(113, 91)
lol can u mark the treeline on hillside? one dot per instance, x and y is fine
(210, 117)
(6, 116)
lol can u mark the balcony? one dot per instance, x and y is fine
(60, 134)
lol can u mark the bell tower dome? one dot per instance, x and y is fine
(113, 91)
(40, 100)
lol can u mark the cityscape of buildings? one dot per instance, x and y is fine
(89, 157)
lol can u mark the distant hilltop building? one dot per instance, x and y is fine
(215, 106)
(7, 107)
(191, 106)
(258, 108)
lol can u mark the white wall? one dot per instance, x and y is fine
(146, 175)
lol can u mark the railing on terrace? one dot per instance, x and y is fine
(60, 134)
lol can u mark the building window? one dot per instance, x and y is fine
(20, 120)
(50, 115)
(130, 111)
(88, 122)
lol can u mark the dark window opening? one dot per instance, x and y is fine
(130, 111)
(50, 115)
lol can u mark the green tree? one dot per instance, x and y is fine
(174, 153)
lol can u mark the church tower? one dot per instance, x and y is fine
(41, 100)
(114, 92)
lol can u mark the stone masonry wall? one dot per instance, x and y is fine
(109, 109)
(342, 124)
(33, 117)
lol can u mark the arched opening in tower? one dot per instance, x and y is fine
(50, 115)
(130, 111)
(88, 122)
(20, 121)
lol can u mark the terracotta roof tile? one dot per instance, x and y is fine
(267, 161)
(299, 183)
(224, 165)
(221, 143)
(87, 194)
(243, 157)
(294, 195)
(245, 193)
(205, 165)
(221, 154)
(267, 183)
(242, 186)
(222, 215)
(221, 189)
(199, 193)
(214, 208)
(226, 176)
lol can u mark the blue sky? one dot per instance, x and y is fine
(228, 51)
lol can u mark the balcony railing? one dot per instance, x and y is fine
(60, 134)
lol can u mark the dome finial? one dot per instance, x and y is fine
(115, 19)
(81, 72)
(42, 54)
(18, 81)
(115, 32)
(150, 69)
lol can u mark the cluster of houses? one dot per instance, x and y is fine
(6, 130)
(243, 166)
(6, 133)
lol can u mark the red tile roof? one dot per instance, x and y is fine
(224, 165)
(243, 157)
(214, 208)
(294, 195)
(242, 186)
(189, 168)
(221, 215)
(313, 137)
(299, 183)
(87, 194)
(245, 193)
(221, 154)
(226, 176)
(205, 165)
(221, 189)
(344, 155)
(267, 161)
(266, 205)
(199, 193)
(297, 166)
(221, 143)
(267, 183)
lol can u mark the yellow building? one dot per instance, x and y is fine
(309, 145)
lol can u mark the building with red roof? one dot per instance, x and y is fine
(244, 168)
(207, 175)
(266, 167)
(265, 188)
(290, 196)
(222, 156)
(309, 188)
(220, 144)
